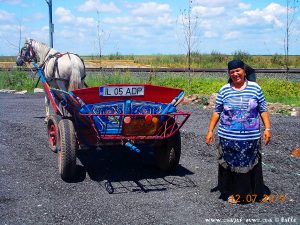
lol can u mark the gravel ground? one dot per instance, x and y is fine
(31, 191)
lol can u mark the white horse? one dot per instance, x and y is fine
(65, 71)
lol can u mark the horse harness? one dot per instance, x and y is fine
(29, 56)
(57, 55)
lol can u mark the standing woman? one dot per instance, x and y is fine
(239, 106)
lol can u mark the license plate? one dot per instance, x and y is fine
(122, 91)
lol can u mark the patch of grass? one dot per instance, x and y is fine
(114, 78)
(17, 80)
(275, 89)
(286, 100)
(281, 90)
(284, 112)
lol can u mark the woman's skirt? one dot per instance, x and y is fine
(240, 170)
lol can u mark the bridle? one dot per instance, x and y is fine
(27, 53)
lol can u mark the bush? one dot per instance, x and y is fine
(16, 80)
(244, 56)
(217, 57)
(278, 60)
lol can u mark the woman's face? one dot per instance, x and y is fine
(237, 76)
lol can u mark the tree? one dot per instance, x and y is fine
(189, 24)
(101, 35)
(290, 16)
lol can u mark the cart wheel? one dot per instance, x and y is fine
(168, 154)
(53, 132)
(68, 148)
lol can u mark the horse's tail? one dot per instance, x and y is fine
(77, 75)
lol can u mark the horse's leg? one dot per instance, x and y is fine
(47, 108)
(62, 86)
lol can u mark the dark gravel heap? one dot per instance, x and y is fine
(31, 191)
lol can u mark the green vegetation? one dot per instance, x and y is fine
(275, 89)
(115, 78)
(16, 80)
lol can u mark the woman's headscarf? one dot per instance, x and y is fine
(237, 63)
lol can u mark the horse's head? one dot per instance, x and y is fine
(27, 54)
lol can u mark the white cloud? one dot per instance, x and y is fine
(13, 2)
(70, 34)
(6, 16)
(83, 21)
(96, 5)
(159, 22)
(275, 9)
(202, 11)
(216, 3)
(39, 16)
(150, 9)
(66, 17)
(117, 20)
(10, 28)
(232, 35)
(210, 34)
(269, 15)
(45, 28)
(164, 20)
(142, 33)
(240, 21)
(206, 24)
(244, 6)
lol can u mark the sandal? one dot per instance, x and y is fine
(232, 200)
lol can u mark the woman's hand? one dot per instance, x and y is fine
(210, 132)
(209, 137)
(267, 133)
(267, 136)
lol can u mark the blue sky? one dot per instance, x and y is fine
(150, 27)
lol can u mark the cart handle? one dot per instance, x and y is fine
(47, 89)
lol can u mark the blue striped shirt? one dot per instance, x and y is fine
(240, 111)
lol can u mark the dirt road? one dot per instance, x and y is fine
(31, 191)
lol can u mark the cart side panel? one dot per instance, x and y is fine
(109, 119)
(152, 93)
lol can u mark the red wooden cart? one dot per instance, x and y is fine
(127, 114)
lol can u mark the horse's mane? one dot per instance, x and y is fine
(41, 44)
(42, 48)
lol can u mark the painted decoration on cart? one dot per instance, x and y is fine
(146, 108)
(108, 122)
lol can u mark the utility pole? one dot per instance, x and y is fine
(51, 25)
